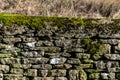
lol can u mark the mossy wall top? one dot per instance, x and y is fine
(59, 48)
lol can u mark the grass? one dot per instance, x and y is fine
(65, 8)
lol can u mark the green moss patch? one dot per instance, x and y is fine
(62, 22)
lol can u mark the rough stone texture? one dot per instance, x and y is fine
(72, 53)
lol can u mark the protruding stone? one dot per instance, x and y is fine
(59, 73)
(100, 65)
(42, 66)
(77, 75)
(73, 61)
(31, 72)
(105, 76)
(94, 76)
(43, 73)
(57, 60)
(112, 56)
(83, 55)
(22, 66)
(13, 76)
(16, 71)
(35, 60)
(44, 78)
(10, 60)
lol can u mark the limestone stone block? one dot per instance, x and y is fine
(112, 56)
(42, 66)
(16, 71)
(105, 76)
(43, 73)
(35, 60)
(13, 77)
(73, 61)
(94, 76)
(44, 78)
(31, 72)
(10, 60)
(58, 73)
(22, 66)
(58, 60)
(4, 68)
(82, 55)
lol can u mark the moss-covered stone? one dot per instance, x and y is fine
(5, 55)
(94, 76)
(61, 22)
(81, 74)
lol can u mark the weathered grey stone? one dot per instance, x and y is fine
(61, 78)
(110, 41)
(117, 48)
(100, 65)
(73, 75)
(5, 55)
(44, 43)
(16, 71)
(58, 66)
(10, 60)
(14, 30)
(67, 66)
(109, 76)
(82, 55)
(28, 40)
(112, 70)
(64, 54)
(1, 76)
(118, 76)
(42, 78)
(43, 73)
(105, 76)
(57, 60)
(31, 44)
(22, 66)
(112, 56)
(63, 42)
(58, 73)
(73, 61)
(75, 50)
(35, 60)
(112, 36)
(86, 66)
(11, 40)
(112, 76)
(47, 49)
(94, 76)
(13, 77)
(42, 66)
(112, 64)
(32, 54)
(52, 55)
(31, 72)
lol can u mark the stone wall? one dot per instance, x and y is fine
(54, 53)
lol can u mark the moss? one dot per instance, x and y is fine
(5, 55)
(94, 76)
(93, 47)
(82, 74)
(62, 22)
(92, 71)
(87, 61)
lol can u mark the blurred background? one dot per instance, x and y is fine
(66, 8)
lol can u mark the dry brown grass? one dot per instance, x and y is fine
(67, 8)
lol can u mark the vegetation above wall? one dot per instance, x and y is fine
(61, 22)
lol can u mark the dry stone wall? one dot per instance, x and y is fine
(72, 53)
